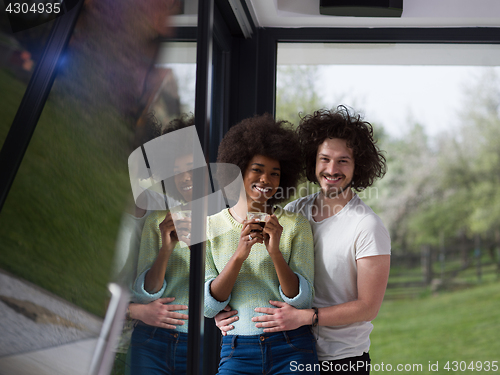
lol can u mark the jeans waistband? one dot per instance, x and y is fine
(285, 336)
(164, 331)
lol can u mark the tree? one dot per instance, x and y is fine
(296, 92)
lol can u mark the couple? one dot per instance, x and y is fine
(351, 245)
(247, 268)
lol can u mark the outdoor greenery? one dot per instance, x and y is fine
(15, 90)
(458, 326)
(436, 190)
(296, 93)
(442, 193)
(59, 223)
(440, 189)
(58, 226)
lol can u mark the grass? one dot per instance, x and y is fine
(458, 326)
(12, 93)
(59, 223)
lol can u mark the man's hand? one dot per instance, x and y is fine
(159, 314)
(283, 318)
(224, 319)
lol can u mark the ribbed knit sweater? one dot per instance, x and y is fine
(257, 281)
(176, 283)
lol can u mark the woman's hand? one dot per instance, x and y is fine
(169, 236)
(183, 228)
(249, 238)
(272, 234)
(222, 285)
(159, 314)
(153, 281)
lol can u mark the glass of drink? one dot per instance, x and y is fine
(181, 215)
(182, 222)
(261, 216)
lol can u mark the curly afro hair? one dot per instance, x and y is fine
(370, 163)
(181, 149)
(263, 135)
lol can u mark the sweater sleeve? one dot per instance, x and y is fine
(302, 263)
(149, 249)
(212, 306)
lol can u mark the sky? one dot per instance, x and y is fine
(398, 96)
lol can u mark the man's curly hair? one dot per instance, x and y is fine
(263, 135)
(369, 162)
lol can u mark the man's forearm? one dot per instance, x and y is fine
(347, 313)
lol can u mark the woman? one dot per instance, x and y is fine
(161, 312)
(247, 266)
(163, 269)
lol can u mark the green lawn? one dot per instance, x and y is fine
(59, 223)
(457, 326)
(12, 92)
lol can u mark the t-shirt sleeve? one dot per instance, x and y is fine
(373, 238)
(301, 205)
(291, 206)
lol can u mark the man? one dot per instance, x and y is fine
(352, 246)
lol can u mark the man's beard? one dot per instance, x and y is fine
(335, 192)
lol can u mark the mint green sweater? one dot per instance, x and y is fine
(257, 282)
(176, 282)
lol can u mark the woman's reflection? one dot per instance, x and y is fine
(159, 340)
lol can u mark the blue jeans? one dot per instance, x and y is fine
(157, 351)
(289, 352)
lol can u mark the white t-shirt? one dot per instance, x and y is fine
(354, 232)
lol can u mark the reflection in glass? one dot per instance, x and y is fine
(19, 54)
(155, 194)
(154, 267)
(161, 287)
(59, 224)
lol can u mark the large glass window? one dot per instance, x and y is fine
(19, 53)
(60, 221)
(435, 110)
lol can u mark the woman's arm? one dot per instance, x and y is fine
(288, 280)
(151, 243)
(222, 285)
(301, 261)
(154, 278)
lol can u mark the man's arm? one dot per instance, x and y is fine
(373, 273)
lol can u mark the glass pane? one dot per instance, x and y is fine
(435, 110)
(60, 222)
(19, 53)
